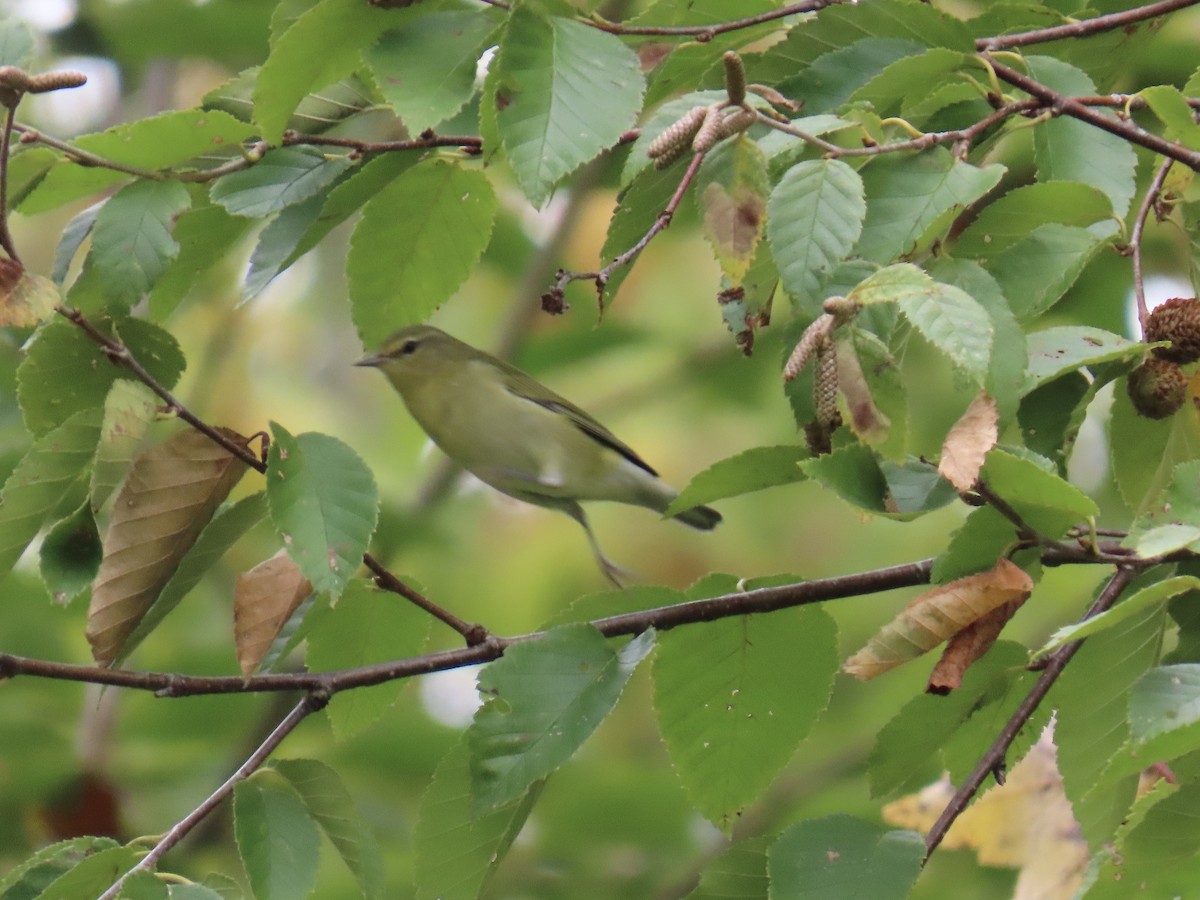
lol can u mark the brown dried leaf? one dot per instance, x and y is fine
(968, 646)
(866, 419)
(968, 443)
(171, 493)
(263, 600)
(936, 616)
(25, 298)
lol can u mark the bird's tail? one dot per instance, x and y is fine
(703, 517)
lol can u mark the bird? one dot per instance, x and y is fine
(517, 435)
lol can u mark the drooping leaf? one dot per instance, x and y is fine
(132, 243)
(52, 475)
(815, 215)
(968, 442)
(542, 701)
(171, 493)
(841, 856)
(935, 616)
(731, 192)
(457, 850)
(563, 93)
(334, 810)
(263, 600)
(282, 178)
(276, 837)
(324, 505)
(417, 242)
(727, 703)
(426, 69)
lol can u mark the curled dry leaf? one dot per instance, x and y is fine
(25, 298)
(938, 615)
(170, 494)
(263, 601)
(1026, 823)
(969, 645)
(968, 443)
(866, 419)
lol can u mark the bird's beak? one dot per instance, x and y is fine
(374, 359)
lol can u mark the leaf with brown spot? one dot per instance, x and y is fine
(171, 493)
(938, 615)
(25, 298)
(968, 442)
(263, 601)
(731, 190)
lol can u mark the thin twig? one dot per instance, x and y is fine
(1061, 104)
(1082, 28)
(995, 755)
(703, 33)
(6, 239)
(1135, 238)
(308, 705)
(472, 633)
(1025, 531)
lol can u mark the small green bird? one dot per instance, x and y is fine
(516, 434)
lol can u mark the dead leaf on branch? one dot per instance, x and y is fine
(25, 298)
(170, 494)
(937, 616)
(968, 443)
(263, 601)
(968, 646)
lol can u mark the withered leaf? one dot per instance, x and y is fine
(968, 442)
(263, 601)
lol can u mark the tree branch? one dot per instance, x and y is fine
(993, 759)
(309, 704)
(705, 33)
(1135, 239)
(1082, 28)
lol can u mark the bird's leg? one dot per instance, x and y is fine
(611, 570)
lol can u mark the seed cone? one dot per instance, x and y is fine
(1177, 321)
(1157, 388)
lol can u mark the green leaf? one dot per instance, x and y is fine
(301, 227)
(158, 142)
(29, 878)
(1055, 351)
(731, 193)
(908, 77)
(206, 235)
(564, 92)
(1011, 217)
(1037, 270)
(426, 69)
(70, 555)
(1144, 452)
(948, 317)
(48, 477)
(283, 177)
(342, 29)
(727, 702)
(912, 199)
(366, 626)
(1171, 522)
(840, 856)
(73, 236)
(1171, 107)
(1160, 851)
(323, 503)
(91, 876)
(416, 244)
(1024, 483)
(832, 79)
(1156, 594)
(854, 474)
(132, 244)
(908, 750)
(1067, 149)
(457, 850)
(749, 471)
(333, 809)
(1091, 699)
(225, 529)
(543, 699)
(814, 217)
(276, 837)
(1164, 711)
(638, 206)
(740, 873)
(64, 371)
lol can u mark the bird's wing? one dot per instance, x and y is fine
(524, 386)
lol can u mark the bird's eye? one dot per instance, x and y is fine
(408, 347)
